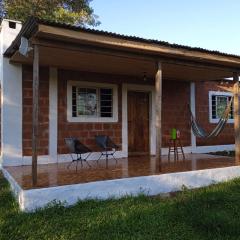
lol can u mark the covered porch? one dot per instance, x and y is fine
(140, 66)
(129, 176)
(58, 174)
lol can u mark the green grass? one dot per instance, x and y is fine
(208, 213)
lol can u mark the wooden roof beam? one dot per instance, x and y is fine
(54, 32)
(130, 55)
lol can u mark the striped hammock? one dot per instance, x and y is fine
(201, 133)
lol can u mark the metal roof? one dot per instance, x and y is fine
(30, 27)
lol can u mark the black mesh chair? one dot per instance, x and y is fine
(76, 147)
(107, 146)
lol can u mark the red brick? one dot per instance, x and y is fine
(202, 109)
(92, 129)
(98, 126)
(43, 110)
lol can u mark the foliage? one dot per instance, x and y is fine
(77, 12)
(207, 213)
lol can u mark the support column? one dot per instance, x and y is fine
(193, 110)
(236, 108)
(158, 88)
(53, 113)
(35, 113)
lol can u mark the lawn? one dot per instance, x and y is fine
(207, 213)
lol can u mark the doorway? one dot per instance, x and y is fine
(138, 106)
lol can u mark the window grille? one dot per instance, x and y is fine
(219, 104)
(92, 102)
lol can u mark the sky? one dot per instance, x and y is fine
(210, 24)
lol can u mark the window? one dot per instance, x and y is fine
(12, 24)
(92, 102)
(218, 102)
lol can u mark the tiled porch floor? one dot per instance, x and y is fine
(59, 174)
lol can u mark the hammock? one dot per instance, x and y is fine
(201, 133)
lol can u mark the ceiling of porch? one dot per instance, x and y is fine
(121, 64)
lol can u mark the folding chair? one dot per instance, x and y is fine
(78, 148)
(107, 146)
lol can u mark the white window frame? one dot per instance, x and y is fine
(70, 118)
(217, 93)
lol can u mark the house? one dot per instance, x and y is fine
(138, 90)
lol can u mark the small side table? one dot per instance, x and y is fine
(175, 147)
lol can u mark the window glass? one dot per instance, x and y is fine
(92, 102)
(74, 102)
(219, 104)
(87, 102)
(106, 102)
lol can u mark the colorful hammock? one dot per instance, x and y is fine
(201, 133)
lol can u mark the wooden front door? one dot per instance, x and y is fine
(138, 123)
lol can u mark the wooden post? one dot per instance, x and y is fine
(35, 113)
(158, 103)
(193, 110)
(236, 108)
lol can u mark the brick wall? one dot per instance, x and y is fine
(86, 132)
(43, 110)
(202, 115)
(175, 112)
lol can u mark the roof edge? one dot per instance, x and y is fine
(31, 26)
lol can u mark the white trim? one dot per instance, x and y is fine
(15, 187)
(11, 20)
(70, 84)
(152, 132)
(53, 114)
(44, 159)
(204, 149)
(217, 93)
(193, 110)
(216, 148)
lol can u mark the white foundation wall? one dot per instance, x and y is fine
(11, 98)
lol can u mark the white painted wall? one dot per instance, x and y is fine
(11, 100)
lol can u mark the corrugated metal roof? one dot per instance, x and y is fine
(133, 38)
(30, 26)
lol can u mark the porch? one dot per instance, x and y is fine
(126, 66)
(129, 176)
(58, 174)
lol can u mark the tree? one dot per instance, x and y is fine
(1, 10)
(76, 12)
